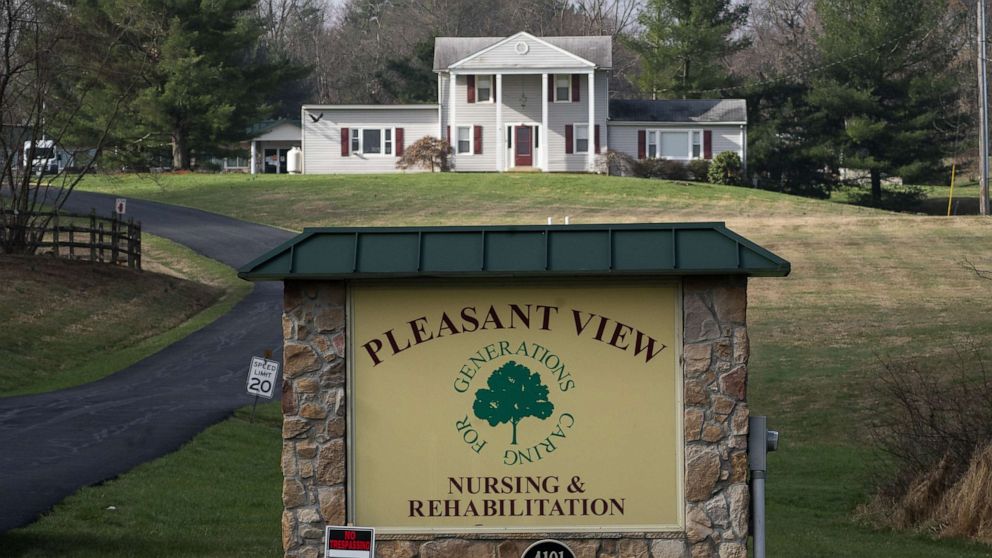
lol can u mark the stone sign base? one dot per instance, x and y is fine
(715, 355)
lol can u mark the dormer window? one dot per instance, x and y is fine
(484, 89)
(563, 88)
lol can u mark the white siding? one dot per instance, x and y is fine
(538, 55)
(561, 114)
(322, 140)
(443, 93)
(474, 114)
(623, 137)
(282, 132)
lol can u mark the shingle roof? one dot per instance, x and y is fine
(678, 110)
(596, 49)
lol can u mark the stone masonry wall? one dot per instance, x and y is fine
(716, 415)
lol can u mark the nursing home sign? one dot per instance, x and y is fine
(525, 405)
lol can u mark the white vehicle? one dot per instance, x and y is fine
(49, 158)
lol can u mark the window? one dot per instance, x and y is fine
(484, 89)
(465, 140)
(563, 88)
(581, 138)
(675, 144)
(372, 141)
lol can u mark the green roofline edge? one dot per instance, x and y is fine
(575, 246)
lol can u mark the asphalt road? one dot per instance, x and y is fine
(52, 444)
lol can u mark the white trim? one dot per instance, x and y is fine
(471, 140)
(371, 107)
(452, 104)
(743, 150)
(536, 128)
(575, 139)
(491, 98)
(382, 141)
(500, 130)
(642, 123)
(440, 109)
(303, 143)
(544, 123)
(591, 149)
(554, 83)
(253, 155)
(522, 71)
(688, 131)
(521, 34)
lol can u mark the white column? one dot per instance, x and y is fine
(591, 152)
(544, 123)
(500, 140)
(252, 165)
(451, 112)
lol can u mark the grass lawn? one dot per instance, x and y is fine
(198, 501)
(865, 284)
(67, 323)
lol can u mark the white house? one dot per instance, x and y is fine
(270, 144)
(522, 102)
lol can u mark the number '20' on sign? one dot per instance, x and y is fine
(262, 377)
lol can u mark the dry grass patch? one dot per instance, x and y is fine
(71, 322)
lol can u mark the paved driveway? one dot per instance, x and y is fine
(52, 444)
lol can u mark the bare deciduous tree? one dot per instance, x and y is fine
(48, 65)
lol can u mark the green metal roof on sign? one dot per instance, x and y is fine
(517, 251)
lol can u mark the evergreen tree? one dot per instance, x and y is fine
(885, 86)
(205, 78)
(411, 79)
(684, 44)
(785, 133)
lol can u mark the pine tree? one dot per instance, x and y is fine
(205, 77)
(684, 44)
(886, 87)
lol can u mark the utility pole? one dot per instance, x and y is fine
(983, 115)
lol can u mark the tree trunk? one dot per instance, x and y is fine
(876, 187)
(180, 149)
(514, 423)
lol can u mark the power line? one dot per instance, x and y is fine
(804, 73)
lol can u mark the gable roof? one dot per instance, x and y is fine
(678, 110)
(265, 126)
(595, 49)
(517, 251)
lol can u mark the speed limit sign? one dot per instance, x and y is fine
(262, 377)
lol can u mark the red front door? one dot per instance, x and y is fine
(523, 146)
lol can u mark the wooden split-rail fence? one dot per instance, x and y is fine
(87, 237)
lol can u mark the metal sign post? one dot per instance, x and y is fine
(760, 441)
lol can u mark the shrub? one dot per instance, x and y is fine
(666, 169)
(935, 425)
(429, 153)
(616, 163)
(699, 170)
(726, 169)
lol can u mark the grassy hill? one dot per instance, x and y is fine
(66, 323)
(865, 284)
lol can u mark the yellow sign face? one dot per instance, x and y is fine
(528, 406)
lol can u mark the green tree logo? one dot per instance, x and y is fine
(514, 394)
